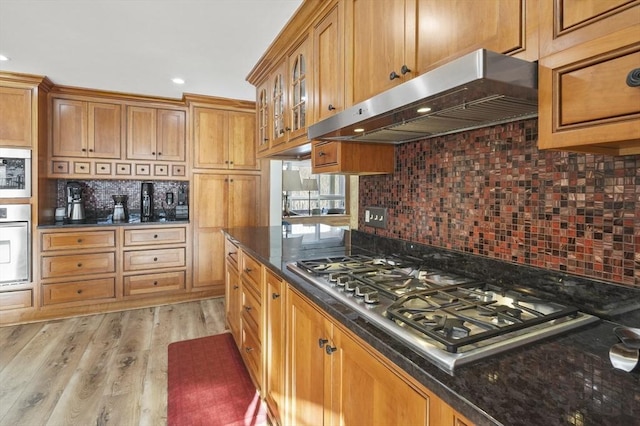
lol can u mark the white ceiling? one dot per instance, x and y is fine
(138, 46)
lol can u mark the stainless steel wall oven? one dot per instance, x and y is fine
(15, 244)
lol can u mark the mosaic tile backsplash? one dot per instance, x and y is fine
(97, 194)
(491, 192)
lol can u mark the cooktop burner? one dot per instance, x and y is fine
(450, 318)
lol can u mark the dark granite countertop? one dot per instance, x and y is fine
(563, 380)
(134, 220)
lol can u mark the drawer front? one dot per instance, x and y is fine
(152, 259)
(250, 309)
(231, 252)
(81, 167)
(251, 271)
(78, 240)
(15, 300)
(143, 169)
(78, 264)
(123, 169)
(177, 170)
(153, 283)
(325, 154)
(161, 170)
(61, 167)
(141, 237)
(103, 168)
(251, 352)
(79, 291)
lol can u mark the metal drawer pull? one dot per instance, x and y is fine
(274, 296)
(248, 270)
(155, 236)
(155, 259)
(247, 308)
(235, 287)
(79, 265)
(79, 240)
(330, 349)
(79, 291)
(155, 283)
(633, 78)
(248, 349)
(322, 342)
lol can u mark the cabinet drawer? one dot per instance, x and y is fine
(325, 153)
(140, 237)
(78, 264)
(103, 168)
(143, 169)
(82, 167)
(251, 352)
(78, 240)
(231, 252)
(160, 170)
(123, 169)
(153, 259)
(79, 291)
(153, 283)
(15, 300)
(250, 309)
(177, 170)
(251, 271)
(61, 167)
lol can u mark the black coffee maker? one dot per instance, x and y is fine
(146, 202)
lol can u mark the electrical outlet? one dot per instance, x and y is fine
(375, 216)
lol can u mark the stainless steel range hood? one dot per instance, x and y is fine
(477, 90)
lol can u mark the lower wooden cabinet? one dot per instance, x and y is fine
(154, 283)
(251, 316)
(18, 299)
(79, 291)
(233, 300)
(273, 343)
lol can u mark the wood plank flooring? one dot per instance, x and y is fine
(106, 369)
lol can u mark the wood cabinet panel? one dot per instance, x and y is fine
(171, 133)
(104, 130)
(19, 299)
(231, 253)
(140, 237)
(211, 200)
(15, 110)
(78, 240)
(251, 272)
(138, 260)
(242, 140)
(79, 264)
(328, 60)
(86, 290)
(244, 200)
(208, 267)
(233, 300)
(352, 157)
(141, 133)
(154, 283)
(252, 354)
(251, 308)
(69, 133)
(273, 344)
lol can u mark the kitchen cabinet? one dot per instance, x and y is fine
(273, 344)
(156, 134)
(77, 267)
(219, 201)
(328, 64)
(15, 110)
(224, 139)
(333, 379)
(233, 294)
(86, 129)
(352, 158)
(378, 63)
(251, 316)
(263, 108)
(588, 100)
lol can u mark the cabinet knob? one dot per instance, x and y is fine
(331, 107)
(226, 161)
(83, 150)
(60, 167)
(235, 287)
(266, 139)
(79, 265)
(79, 240)
(230, 162)
(155, 235)
(322, 342)
(247, 308)
(393, 75)
(155, 259)
(321, 154)
(248, 270)
(404, 70)
(102, 167)
(248, 349)
(159, 153)
(633, 78)
(81, 167)
(274, 296)
(90, 150)
(330, 349)
(288, 129)
(155, 283)
(79, 291)
(153, 153)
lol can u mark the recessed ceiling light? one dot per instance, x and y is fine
(3, 58)
(177, 80)
(423, 110)
(358, 130)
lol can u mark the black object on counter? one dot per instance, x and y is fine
(146, 202)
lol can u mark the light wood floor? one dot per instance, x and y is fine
(107, 369)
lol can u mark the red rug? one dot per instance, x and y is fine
(208, 384)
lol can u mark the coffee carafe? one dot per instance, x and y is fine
(146, 202)
(120, 210)
(75, 203)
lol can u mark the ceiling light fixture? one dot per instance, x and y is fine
(358, 130)
(177, 80)
(4, 58)
(423, 110)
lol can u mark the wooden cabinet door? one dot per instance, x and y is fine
(210, 199)
(104, 130)
(208, 258)
(273, 343)
(263, 109)
(242, 140)
(378, 46)
(366, 391)
(243, 200)
(69, 136)
(328, 70)
(299, 83)
(15, 110)
(233, 301)
(210, 136)
(278, 85)
(306, 362)
(464, 26)
(141, 133)
(171, 135)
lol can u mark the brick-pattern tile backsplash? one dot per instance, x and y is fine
(492, 192)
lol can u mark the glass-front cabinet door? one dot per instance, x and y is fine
(298, 96)
(263, 118)
(278, 98)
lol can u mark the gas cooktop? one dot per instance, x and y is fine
(449, 318)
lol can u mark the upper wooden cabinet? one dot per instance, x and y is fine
(588, 99)
(15, 113)
(328, 64)
(156, 134)
(263, 110)
(224, 139)
(380, 41)
(86, 129)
